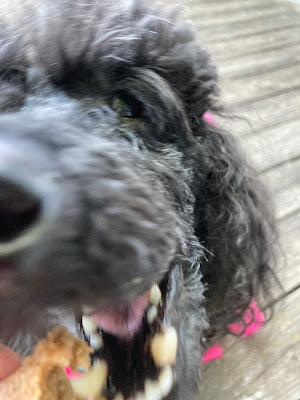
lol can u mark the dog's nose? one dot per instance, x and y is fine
(28, 197)
(20, 211)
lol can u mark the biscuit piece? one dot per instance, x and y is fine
(42, 376)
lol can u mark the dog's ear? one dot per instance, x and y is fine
(233, 217)
(234, 222)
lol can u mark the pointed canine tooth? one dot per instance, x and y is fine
(88, 324)
(155, 295)
(151, 314)
(166, 380)
(152, 390)
(163, 347)
(96, 341)
(92, 382)
(119, 396)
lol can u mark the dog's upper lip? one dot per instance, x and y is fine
(123, 320)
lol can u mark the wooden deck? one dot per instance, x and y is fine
(256, 44)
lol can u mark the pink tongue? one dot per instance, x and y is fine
(125, 320)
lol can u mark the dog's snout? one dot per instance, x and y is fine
(20, 210)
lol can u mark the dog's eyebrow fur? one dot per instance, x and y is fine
(112, 38)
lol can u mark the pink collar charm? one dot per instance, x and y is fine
(209, 118)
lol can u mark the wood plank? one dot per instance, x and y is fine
(280, 381)
(242, 15)
(215, 3)
(257, 116)
(260, 77)
(256, 64)
(288, 259)
(264, 29)
(254, 27)
(284, 185)
(219, 8)
(237, 47)
(273, 146)
(245, 360)
(268, 84)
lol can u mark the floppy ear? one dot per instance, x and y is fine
(233, 220)
(232, 216)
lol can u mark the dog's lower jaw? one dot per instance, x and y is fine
(178, 381)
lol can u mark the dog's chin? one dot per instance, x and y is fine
(137, 343)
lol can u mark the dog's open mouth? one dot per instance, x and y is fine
(135, 343)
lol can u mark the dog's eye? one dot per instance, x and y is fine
(128, 107)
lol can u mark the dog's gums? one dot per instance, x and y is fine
(136, 326)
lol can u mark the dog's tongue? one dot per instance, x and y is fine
(125, 320)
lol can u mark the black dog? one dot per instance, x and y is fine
(112, 183)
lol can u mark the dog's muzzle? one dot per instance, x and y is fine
(84, 223)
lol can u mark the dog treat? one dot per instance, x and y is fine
(164, 347)
(42, 376)
(60, 369)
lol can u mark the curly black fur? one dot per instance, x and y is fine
(134, 193)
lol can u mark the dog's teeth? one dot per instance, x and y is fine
(88, 324)
(96, 341)
(152, 390)
(155, 295)
(87, 310)
(165, 380)
(164, 347)
(118, 396)
(151, 314)
(138, 396)
(91, 384)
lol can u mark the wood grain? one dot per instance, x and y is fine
(256, 45)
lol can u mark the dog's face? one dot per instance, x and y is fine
(111, 183)
(96, 202)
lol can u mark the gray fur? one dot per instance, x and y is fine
(134, 197)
